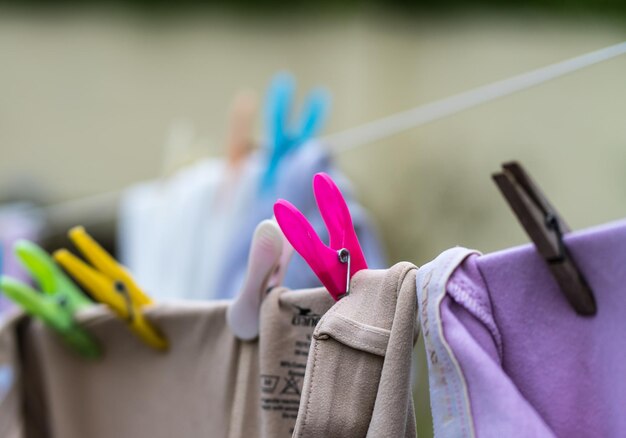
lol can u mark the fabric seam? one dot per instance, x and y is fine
(361, 326)
(482, 275)
(439, 271)
(308, 401)
(478, 309)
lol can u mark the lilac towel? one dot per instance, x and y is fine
(508, 356)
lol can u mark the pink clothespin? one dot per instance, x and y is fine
(336, 263)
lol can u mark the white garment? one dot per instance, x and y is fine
(189, 236)
(161, 229)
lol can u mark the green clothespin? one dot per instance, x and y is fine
(58, 303)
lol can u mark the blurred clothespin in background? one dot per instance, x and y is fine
(58, 303)
(241, 119)
(284, 131)
(109, 283)
(239, 145)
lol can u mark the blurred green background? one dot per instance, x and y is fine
(88, 95)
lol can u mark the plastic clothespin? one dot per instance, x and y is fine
(546, 228)
(58, 303)
(111, 284)
(267, 264)
(241, 122)
(336, 263)
(283, 134)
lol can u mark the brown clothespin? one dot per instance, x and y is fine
(546, 229)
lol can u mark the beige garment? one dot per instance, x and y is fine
(207, 385)
(358, 381)
(11, 419)
(287, 323)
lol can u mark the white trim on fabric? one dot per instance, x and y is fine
(449, 396)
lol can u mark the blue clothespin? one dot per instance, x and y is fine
(285, 135)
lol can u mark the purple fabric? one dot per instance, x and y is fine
(533, 367)
(17, 221)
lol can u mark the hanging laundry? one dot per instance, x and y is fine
(358, 375)
(294, 184)
(209, 383)
(161, 226)
(188, 237)
(509, 356)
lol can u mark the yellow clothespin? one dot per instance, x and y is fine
(111, 284)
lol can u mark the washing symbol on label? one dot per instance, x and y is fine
(291, 386)
(304, 317)
(269, 383)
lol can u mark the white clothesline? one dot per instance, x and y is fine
(399, 122)
(103, 205)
